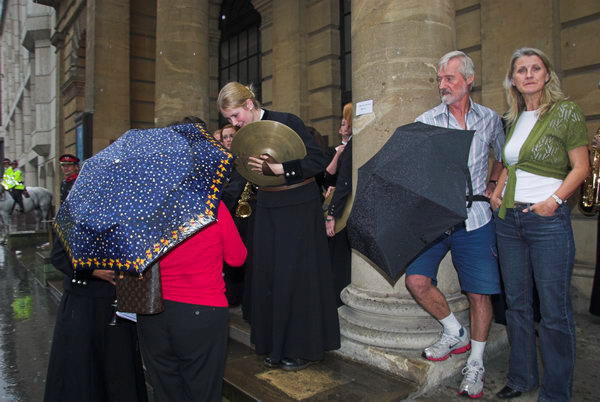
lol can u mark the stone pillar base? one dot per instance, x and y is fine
(410, 365)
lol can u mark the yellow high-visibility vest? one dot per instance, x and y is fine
(18, 177)
(8, 179)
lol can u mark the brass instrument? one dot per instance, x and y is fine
(590, 189)
(243, 209)
(340, 223)
(266, 137)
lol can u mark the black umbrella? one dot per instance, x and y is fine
(408, 194)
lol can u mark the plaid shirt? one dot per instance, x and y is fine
(488, 134)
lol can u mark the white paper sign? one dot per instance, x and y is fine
(364, 107)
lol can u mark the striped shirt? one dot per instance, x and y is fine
(488, 134)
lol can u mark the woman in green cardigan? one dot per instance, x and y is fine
(546, 160)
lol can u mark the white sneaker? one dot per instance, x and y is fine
(472, 383)
(447, 345)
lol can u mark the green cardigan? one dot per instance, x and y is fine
(545, 151)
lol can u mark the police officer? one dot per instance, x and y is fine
(12, 181)
(69, 164)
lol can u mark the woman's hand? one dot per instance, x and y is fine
(105, 275)
(330, 226)
(329, 191)
(256, 165)
(496, 196)
(495, 201)
(543, 208)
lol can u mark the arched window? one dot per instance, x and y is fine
(239, 50)
(346, 51)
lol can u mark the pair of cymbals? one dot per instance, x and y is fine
(266, 137)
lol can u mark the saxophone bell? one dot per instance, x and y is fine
(589, 204)
(243, 209)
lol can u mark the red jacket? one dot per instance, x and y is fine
(192, 272)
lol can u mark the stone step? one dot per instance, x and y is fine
(239, 330)
(333, 379)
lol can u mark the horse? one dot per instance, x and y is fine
(39, 201)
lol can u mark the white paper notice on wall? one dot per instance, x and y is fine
(364, 107)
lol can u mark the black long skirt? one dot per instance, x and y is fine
(90, 360)
(339, 249)
(293, 300)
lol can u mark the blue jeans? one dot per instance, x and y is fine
(541, 249)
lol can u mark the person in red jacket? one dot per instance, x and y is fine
(184, 347)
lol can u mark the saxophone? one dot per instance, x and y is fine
(243, 209)
(590, 190)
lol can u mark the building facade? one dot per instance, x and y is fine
(125, 64)
(28, 87)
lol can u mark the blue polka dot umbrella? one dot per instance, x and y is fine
(141, 196)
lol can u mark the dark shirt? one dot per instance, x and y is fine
(343, 185)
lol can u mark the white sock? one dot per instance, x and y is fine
(477, 349)
(451, 325)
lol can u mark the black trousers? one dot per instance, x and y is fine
(17, 195)
(184, 350)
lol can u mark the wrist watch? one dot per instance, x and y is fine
(558, 200)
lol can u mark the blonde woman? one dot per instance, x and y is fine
(293, 310)
(546, 160)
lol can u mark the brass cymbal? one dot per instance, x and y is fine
(266, 137)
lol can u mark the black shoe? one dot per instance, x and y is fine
(508, 393)
(294, 364)
(269, 362)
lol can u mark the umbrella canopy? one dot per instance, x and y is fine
(141, 196)
(408, 194)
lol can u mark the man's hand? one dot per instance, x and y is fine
(105, 275)
(489, 189)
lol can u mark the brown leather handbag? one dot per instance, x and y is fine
(140, 294)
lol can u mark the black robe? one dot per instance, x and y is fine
(238, 279)
(90, 360)
(293, 301)
(339, 245)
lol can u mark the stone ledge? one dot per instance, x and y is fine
(409, 365)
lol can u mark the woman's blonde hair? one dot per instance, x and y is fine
(551, 93)
(347, 114)
(234, 94)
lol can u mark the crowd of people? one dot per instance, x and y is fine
(294, 263)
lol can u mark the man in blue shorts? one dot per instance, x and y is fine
(473, 242)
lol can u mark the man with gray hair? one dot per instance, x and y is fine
(472, 242)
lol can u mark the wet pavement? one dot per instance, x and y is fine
(28, 310)
(27, 313)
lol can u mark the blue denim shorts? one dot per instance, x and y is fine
(474, 256)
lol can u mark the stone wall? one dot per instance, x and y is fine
(28, 90)
(566, 30)
(142, 44)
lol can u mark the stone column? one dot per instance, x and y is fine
(265, 9)
(107, 70)
(290, 84)
(395, 48)
(182, 61)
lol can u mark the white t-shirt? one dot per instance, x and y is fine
(530, 187)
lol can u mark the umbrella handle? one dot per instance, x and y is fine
(470, 188)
